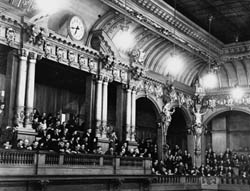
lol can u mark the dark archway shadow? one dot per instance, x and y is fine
(177, 132)
(146, 120)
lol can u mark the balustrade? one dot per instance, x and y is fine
(131, 161)
(12, 157)
(46, 162)
(79, 159)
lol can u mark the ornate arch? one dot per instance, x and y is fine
(211, 114)
(157, 105)
(187, 115)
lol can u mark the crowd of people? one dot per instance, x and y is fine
(176, 162)
(227, 164)
(68, 137)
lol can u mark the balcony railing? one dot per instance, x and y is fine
(52, 163)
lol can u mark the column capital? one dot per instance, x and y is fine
(134, 90)
(23, 53)
(32, 55)
(99, 78)
(128, 90)
(106, 79)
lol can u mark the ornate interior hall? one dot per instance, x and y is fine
(126, 95)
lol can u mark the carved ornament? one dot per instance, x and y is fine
(124, 76)
(92, 65)
(137, 56)
(36, 35)
(59, 54)
(71, 57)
(83, 61)
(10, 35)
(47, 49)
(137, 73)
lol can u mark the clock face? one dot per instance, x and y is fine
(76, 28)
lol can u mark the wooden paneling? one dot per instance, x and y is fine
(51, 100)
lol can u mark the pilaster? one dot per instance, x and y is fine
(133, 114)
(128, 114)
(104, 107)
(30, 90)
(98, 115)
(21, 87)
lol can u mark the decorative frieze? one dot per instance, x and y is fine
(150, 88)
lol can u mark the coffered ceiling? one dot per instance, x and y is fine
(231, 17)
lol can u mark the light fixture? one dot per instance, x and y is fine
(210, 81)
(124, 39)
(237, 93)
(174, 62)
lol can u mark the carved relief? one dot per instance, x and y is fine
(47, 50)
(59, 54)
(10, 35)
(123, 75)
(92, 65)
(137, 56)
(158, 91)
(71, 57)
(36, 35)
(19, 118)
(83, 61)
(107, 63)
(137, 73)
(116, 73)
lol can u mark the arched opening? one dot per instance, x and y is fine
(231, 130)
(146, 120)
(177, 134)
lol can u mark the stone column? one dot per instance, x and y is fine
(21, 86)
(128, 115)
(133, 114)
(30, 90)
(104, 107)
(98, 115)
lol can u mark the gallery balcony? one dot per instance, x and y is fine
(23, 162)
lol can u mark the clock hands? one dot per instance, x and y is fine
(76, 29)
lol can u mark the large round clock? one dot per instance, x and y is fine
(76, 28)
